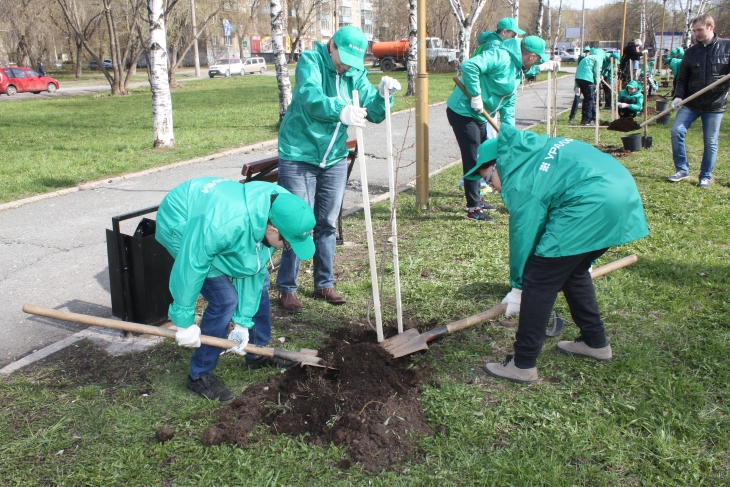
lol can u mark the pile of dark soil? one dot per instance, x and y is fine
(616, 151)
(623, 125)
(369, 403)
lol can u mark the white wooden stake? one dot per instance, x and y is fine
(394, 227)
(368, 224)
(547, 103)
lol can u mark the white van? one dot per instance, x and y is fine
(253, 65)
(226, 67)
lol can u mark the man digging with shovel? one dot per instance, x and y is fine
(568, 203)
(221, 234)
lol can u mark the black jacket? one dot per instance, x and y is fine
(631, 52)
(702, 66)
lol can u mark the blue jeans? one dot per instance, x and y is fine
(323, 189)
(222, 303)
(711, 122)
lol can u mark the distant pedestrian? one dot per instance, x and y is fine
(703, 64)
(41, 69)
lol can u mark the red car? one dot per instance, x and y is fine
(18, 80)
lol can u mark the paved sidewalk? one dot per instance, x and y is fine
(54, 249)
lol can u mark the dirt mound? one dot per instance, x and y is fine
(370, 404)
(623, 125)
(615, 150)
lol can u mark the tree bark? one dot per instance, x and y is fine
(411, 64)
(538, 23)
(557, 29)
(282, 71)
(465, 24)
(161, 98)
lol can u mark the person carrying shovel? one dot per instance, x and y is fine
(630, 100)
(491, 80)
(222, 234)
(568, 203)
(313, 147)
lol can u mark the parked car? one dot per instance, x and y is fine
(611, 50)
(106, 62)
(226, 67)
(564, 55)
(19, 80)
(254, 65)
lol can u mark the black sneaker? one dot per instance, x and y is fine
(478, 214)
(264, 361)
(210, 387)
(571, 121)
(485, 205)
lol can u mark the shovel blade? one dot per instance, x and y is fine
(406, 343)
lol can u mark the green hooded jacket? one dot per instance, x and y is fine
(495, 74)
(635, 101)
(311, 131)
(215, 227)
(487, 40)
(587, 68)
(564, 198)
(674, 66)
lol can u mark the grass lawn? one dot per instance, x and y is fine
(656, 415)
(47, 145)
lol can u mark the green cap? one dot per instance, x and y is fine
(536, 46)
(615, 54)
(486, 152)
(352, 46)
(586, 48)
(508, 23)
(294, 219)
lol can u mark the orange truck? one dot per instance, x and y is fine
(391, 55)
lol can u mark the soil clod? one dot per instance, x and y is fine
(624, 125)
(165, 434)
(369, 404)
(212, 436)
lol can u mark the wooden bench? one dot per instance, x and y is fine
(268, 170)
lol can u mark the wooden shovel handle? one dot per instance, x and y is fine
(615, 265)
(163, 332)
(486, 115)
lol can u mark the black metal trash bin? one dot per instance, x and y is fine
(139, 271)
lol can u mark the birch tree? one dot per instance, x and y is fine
(161, 99)
(557, 29)
(412, 48)
(465, 22)
(282, 71)
(538, 23)
(305, 13)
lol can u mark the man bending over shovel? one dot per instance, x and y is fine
(568, 203)
(221, 234)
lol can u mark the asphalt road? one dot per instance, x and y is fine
(53, 251)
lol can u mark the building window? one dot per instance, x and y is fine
(214, 40)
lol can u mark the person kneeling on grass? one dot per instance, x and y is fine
(630, 100)
(221, 234)
(568, 203)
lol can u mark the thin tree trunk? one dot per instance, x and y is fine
(465, 24)
(412, 64)
(538, 24)
(282, 71)
(79, 51)
(516, 10)
(161, 98)
(557, 28)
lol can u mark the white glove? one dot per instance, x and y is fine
(675, 103)
(353, 116)
(577, 91)
(623, 105)
(388, 83)
(548, 66)
(477, 104)
(513, 300)
(239, 334)
(188, 337)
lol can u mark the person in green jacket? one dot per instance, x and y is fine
(607, 73)
(586, 79)
(221, 234)
(313, 147)
(507, 28)
(491, 79)
(630, 100)
(568, 203)
(676, 60)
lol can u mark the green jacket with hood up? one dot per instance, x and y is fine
(215, 227)
(635, 101)
(564, 198)
(311, 131)
(487, 40)
(495, 74)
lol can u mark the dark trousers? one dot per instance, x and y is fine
(574, 108)
(588, 90)
(469, 135)
(542, 280)
(606, 95)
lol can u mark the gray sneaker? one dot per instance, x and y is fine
(677, 177)
(580, 349)
(508, 370)
(705, 183)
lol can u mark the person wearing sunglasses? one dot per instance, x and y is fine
(222, 234)
(568, 204)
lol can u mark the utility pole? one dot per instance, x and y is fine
(583, 26)
(421, 111)
(195, 36)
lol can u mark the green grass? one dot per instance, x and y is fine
(656, 415)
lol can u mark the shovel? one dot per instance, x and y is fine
(302, 358)
(484, 113)
(412, 341)
(704, 90)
